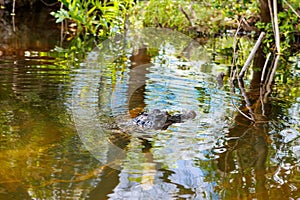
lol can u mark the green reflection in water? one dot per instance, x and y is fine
(42, 156)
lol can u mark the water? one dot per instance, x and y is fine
(66, 132)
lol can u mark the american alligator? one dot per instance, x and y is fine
(158, 119)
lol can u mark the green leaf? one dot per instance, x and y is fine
(91, 10)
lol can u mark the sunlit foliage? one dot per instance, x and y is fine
(95, 17)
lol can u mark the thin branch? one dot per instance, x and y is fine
(264, 68)
(277, 37)
(13, 15)
(193, 13)
(294, 11)
(270, 70)
(268, 87)
(241, 112)
(270, 77)
(13, 8)
(234, 56)
(273, 70)
(267, 92)
(49, 4)
(235, 42)
(262, 85)
(261, 93)
(251, 56)
(271, 14)
(234, 74)
(247, 24)
(232, 77)
(61, 28)
(187, 16)
(248, 104)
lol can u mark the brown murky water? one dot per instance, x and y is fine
(66, 132)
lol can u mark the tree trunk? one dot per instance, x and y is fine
(264, 11)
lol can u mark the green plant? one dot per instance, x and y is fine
(95, 17)
(163, 13)
(208, 18)
(288, 26)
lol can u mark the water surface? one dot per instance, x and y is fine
(65, 132)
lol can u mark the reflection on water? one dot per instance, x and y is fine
(39, 147)
(218, 155)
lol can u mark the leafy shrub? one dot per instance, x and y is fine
(95, 17)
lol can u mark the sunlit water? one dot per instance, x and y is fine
(67, 133)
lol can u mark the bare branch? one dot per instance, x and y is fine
(13, 15)
(233, 72)
(187, 16)
(241, 112)
(264, 68)
(294, 11)
(248, 104)
(273, 70)
(250, 57)
(261, 93)
(13, 8)
(271, 14)
(233, 75)
(277, 37)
